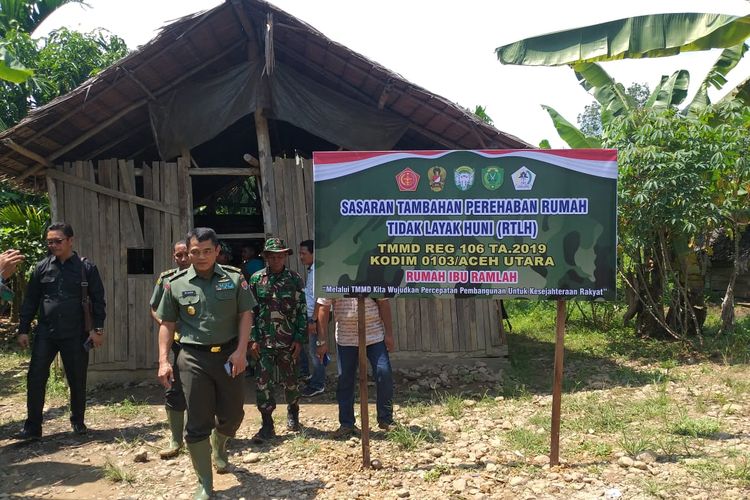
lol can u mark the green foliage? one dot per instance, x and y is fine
(23, 228)
(27, 15)
(695, 427)
(436, 472)
(481, 113)
(590, 121)
(634, 444)
(410, 438)
(117, 474)
(65, 60)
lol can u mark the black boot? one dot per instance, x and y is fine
(292, 417)
(266, 430)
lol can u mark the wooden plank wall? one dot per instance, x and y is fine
(469, 327)
(105, 228)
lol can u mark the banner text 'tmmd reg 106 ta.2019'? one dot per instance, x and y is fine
(538, 224)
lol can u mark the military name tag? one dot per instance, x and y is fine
(224, 285)
(189, 293)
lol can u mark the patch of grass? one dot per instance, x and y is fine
(117, 474)
(695, 427)
(541, 419)
(597, 449)
(739, 387)
(415, 409)
(672, 447)
(590, 412)
(410, 438)
(127, 408)
(301, 444)
(453, 405)
(57, 386)
(528, 441)
(740, 470)
(123, 442)
(659, 406)
(434, 474)
(635, 444)
(656, 489)
(707, 470)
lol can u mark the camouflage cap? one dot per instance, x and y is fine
(276, 245)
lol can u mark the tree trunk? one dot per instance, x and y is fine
(727, 305)
(650, 319)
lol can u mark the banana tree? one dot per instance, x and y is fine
(656, 35)
(615, 103)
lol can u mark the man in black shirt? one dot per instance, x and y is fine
(55, 294)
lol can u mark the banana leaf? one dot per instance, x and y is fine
(656, 35)
(716, 76)
(673, 90)
(610, 94)
(10, 69)
(570, 133)
(741, 92)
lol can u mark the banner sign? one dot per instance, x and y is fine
(485, 223)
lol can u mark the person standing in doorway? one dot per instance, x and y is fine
(251, 261)
(213, 306)
(317, 381)
(55, 295)
(174, 398)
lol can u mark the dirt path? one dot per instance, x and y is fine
(630, 430)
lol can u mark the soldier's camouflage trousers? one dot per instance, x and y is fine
(288, 377)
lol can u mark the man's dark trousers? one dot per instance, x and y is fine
(75, 360)
(214, 399)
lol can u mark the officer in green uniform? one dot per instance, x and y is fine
(174, 398)
(279, 332)
(214, 307)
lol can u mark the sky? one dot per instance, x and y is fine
(448, 47)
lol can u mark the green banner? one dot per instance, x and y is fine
(485, 223)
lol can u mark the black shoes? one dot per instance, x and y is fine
(266, 431)
(28, 435)
(80, 428)
(292, 418)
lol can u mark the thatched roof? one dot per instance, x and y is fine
(107, 116)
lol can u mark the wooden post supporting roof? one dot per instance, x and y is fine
(267, 191)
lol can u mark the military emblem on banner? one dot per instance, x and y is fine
(407, 180)
(437, 178)
(492, 177)
(464, 177)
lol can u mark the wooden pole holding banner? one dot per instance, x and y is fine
(554, 448)
(363, 408)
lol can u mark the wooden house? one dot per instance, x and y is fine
(140, 153)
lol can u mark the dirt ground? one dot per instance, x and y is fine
(630, 429)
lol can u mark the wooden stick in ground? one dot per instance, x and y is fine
(363, 409)
(554, 448)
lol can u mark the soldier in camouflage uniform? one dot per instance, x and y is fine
(174, 398)
(278, 334)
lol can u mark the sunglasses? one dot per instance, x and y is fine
(55, 241)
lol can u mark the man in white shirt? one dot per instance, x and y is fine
(379, 341)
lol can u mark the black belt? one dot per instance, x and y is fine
(232, 344)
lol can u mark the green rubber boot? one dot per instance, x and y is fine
(200, 455)
(176, 421)
(219, 451)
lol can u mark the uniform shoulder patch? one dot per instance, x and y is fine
(178, 274)
(169, 272)
(230, 268)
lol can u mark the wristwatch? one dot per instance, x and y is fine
(319, 343)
